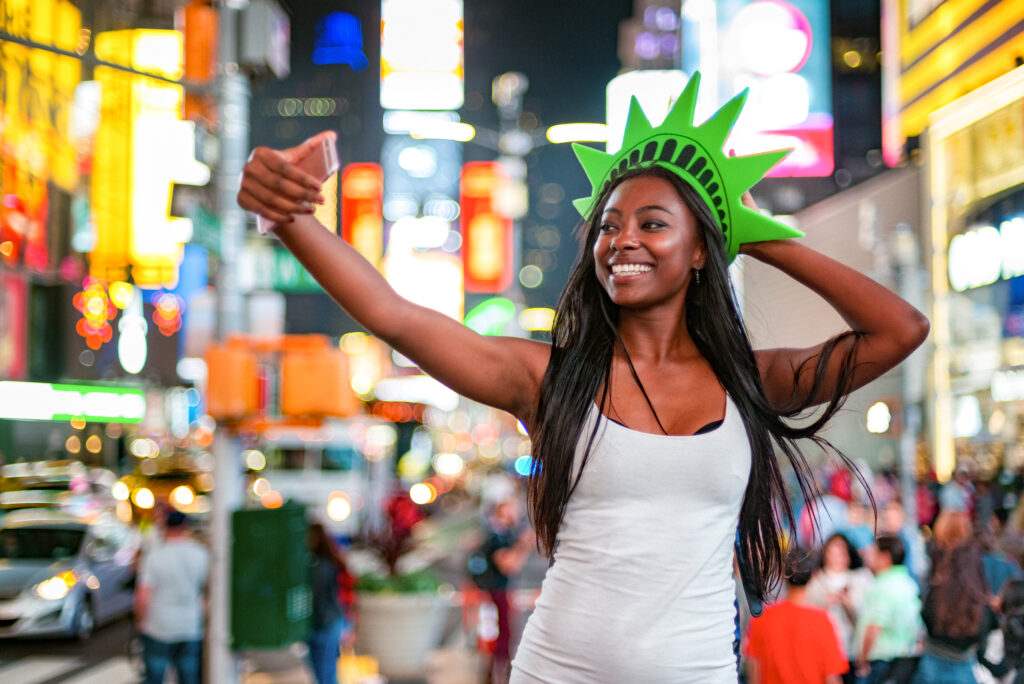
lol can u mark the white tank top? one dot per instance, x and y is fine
(641, 587)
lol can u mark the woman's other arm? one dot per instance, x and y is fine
(887, 328)
(498, 371)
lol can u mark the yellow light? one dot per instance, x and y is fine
(6, 248)
(353, 342)
(121, 293)
(443, 130)
(852, 58)
(361, 383)
(93, 444)
(143, 497)
(95, 306)
(327, 213)
(578, 132)
(73, 444)
(57, 587)
(77, 423)
(260, 486)
(183, 495)
(338, 507)
(142, 147)
(422, 493)
(120, 491)
(204, 482)
(537, 319)
(255, 460)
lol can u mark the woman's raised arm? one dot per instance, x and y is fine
(503, 372)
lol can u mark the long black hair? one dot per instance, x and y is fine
(584, 337)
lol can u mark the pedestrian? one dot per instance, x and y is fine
(501, 556)
(894, 521)
(957, 604)
(653, 422)
(795, 641)
(889, 625)
(329, 620)
(838, 586)
(1011, 609)
(169, 603)
(958, 493)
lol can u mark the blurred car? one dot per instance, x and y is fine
(61, 576)
(43, 484)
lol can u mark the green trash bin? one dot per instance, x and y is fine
(271, 596)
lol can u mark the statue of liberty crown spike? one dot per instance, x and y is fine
(694, 153)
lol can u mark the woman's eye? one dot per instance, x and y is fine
(606, 227)
(653, 225)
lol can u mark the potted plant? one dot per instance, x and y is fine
(401, 614)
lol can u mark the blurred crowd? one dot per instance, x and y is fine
(873, 599)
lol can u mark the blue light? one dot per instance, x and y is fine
(339, 40)
(523, 465)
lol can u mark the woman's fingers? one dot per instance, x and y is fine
(250, 202)
(276, 173)
(272, 189)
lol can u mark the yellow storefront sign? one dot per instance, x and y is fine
(142, 148)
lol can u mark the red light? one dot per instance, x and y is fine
(487, 247)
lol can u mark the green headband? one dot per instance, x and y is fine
(694, 153)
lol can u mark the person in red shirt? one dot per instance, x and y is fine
(794, 642)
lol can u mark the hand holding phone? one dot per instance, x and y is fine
(321, 163)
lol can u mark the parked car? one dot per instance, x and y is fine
(60, 575)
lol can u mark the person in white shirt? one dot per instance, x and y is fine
(169, 605)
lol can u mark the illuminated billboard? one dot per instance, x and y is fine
(933, 52)
(142, 148)
(44, 401)
(421, 54)
(487, 233)
(780, 50)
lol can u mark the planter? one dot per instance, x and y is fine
(400, 630)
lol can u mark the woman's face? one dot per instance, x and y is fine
(648, 243)
(837, 556)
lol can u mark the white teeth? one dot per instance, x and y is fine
(629, 269)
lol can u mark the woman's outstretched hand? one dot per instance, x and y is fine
(274, 186)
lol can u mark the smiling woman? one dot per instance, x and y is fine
(654, 424)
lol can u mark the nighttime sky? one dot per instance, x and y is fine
(566, 49)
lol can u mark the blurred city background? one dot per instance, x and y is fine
(158, 355)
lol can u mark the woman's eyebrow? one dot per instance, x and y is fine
(654, 206)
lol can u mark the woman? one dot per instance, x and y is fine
(838, 586)
(649, 412)
(329, 621)
(956, 608)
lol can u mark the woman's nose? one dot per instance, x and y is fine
(625, 239)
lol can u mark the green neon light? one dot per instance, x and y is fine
(490, 316)
(46, 401)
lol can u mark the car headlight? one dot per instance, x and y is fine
(56, 587)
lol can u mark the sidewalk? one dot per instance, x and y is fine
(288, 666)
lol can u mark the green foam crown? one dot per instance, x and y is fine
(694, 153)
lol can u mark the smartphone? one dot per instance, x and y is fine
(321, 163)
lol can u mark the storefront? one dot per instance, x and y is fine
(974, 164)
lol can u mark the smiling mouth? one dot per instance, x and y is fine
(630, 269)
